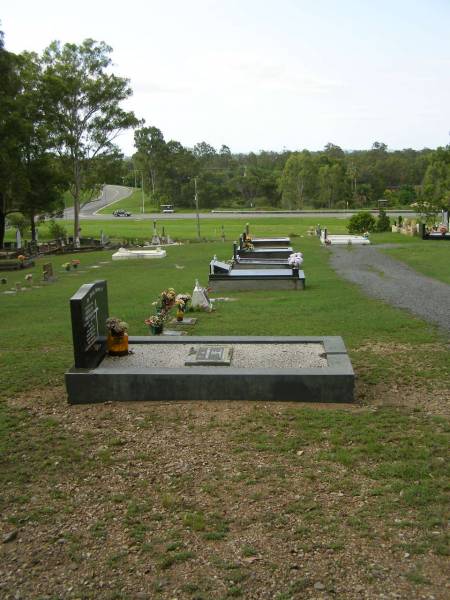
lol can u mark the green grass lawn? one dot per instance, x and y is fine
(185, 229)
(425, 256)
(39, 318)
(222, 500)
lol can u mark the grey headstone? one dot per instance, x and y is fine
(210, 355)
(89, 311)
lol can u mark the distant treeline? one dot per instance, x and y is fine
(330, 178)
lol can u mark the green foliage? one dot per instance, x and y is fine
(361, 222)
(82, 95)
(383, 221)
(18, 221)
(56, 230)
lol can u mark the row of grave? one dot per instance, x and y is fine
(309, 369)
(258, 264)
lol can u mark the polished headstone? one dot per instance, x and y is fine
(89, 311)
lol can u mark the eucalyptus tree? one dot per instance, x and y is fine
(83, 104)
(151, 156)
(10, 135)
(299, 180)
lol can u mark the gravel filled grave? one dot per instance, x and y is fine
(245, 356)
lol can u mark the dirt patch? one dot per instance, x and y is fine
(200, 500)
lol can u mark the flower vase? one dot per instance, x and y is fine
(180, 315)
(117, 345)
(156, 329)
(295, 271)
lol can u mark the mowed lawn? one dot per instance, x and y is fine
(222, 500)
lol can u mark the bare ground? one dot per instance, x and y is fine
(166, 501)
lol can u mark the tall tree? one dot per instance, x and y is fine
(83, 100)
(299, 180)
(151, 155)
(11, 133)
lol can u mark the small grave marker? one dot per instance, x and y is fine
(174, 332)
(47, 272)
(210, 355)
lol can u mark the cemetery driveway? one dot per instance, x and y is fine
(394, 282)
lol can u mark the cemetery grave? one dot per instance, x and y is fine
(438, 232)
(266, 267)
(312, 369)
(327, 239)
(125, 254)
(266, 242)
(224, 277)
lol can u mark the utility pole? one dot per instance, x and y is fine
(142, 188)
(196, 208)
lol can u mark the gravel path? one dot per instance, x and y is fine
(394, 282)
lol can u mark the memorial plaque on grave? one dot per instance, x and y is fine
(89, 311)
(209, 356)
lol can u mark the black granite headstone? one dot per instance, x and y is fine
(220, 267)
(89, 311)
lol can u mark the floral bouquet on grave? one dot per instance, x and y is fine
(155, 320)
(66, 266)
(182, 301)
(116, 327)
(29, 278)
(75, 262)
(117, 340)
(167, 299)
(295, 260)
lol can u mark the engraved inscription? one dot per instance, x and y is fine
(90, 319)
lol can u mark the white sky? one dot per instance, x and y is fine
(266, 74)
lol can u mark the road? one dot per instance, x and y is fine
(110, 194)
(113, 193)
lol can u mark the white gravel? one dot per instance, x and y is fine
(245, 356)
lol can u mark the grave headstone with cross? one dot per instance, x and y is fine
(89, 311)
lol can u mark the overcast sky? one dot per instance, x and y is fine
(266, 74)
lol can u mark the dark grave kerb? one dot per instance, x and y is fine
(89, 311)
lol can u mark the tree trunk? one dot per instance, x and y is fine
(2, 226)
(153, 180)
(33, 228)
(76, 206)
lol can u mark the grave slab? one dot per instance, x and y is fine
(304, 369)
(273, 253)
(257, 279)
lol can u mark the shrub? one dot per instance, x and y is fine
(383, 222)
(361, 222)
(18, 221)
(56, 230)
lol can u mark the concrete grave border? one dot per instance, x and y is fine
(334, 383)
